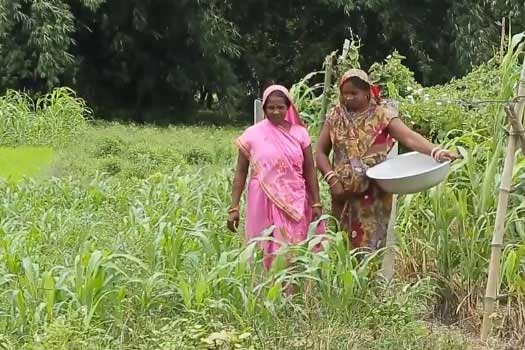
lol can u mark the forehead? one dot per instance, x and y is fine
(276, 99)
(350, 86)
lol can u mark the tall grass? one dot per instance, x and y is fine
(449, 228)
(150, 263)
(445, 233)
(51, 120)
(126, 248)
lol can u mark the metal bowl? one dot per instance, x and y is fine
(409, 173)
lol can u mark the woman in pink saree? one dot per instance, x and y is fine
(283, 190)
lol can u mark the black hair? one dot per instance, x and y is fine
(279, 94)
(359, 83)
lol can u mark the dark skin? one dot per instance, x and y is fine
(275, 110)
(358, 100)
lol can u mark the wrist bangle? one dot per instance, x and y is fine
(233, 209)
(335, 183)
(330, 182)
(434, 150)
(317, 205)
(436, 155)
(330, 177)
(328, 174)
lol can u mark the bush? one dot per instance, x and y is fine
(109, 147)
(52, 120)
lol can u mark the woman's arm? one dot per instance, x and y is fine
(323, 149)
(415, 141)
(239, 181)
(310, 175)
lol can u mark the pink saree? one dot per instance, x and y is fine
(277, 193)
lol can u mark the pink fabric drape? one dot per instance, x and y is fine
(277, 193)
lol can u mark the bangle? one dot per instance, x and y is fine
(234, 209)
(330, 177)
(436, 155)
(335, 183)
(317, 205)
(434, 150)
(334, 176)
(328, 174)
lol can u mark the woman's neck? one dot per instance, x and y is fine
(357, 110)
(285, 124)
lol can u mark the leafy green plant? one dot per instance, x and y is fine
(142, 259)
(51, 120)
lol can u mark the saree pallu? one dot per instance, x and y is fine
(361, 138)
(277, 194)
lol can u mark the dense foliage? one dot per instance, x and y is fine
(123, 245)
(155, 60)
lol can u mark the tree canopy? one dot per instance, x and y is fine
(179, 55)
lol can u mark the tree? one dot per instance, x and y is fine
(176, 56)
(36, 37)
(145, 53)
(282, 41)
(442, 39)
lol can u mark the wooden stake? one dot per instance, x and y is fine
(517, 127)
(327, 85)
(389, 259)
(499, 227)
(258, 113)
(502, 44)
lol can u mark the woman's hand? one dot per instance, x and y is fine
(233, 221)
(444, 155)
(337, 191)
(238, 186)
(316, 213)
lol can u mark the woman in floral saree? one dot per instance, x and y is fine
(283, 190)
(360, 131)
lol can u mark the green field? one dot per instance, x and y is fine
(16, 163)
(142, 260)
(118, 239)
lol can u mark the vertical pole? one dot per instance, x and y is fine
(389, 258)
(327, 86)
(502, 44)
(257, 111)
(491, 293)
(346, 48)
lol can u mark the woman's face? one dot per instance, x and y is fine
(354, 98)
(275, 109)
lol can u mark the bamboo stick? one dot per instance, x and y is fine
(327, 85)
(499, 227)
(388, 267)
(517, 127)
(502, 44)
(389, 259)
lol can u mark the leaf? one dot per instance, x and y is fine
(274, 292)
